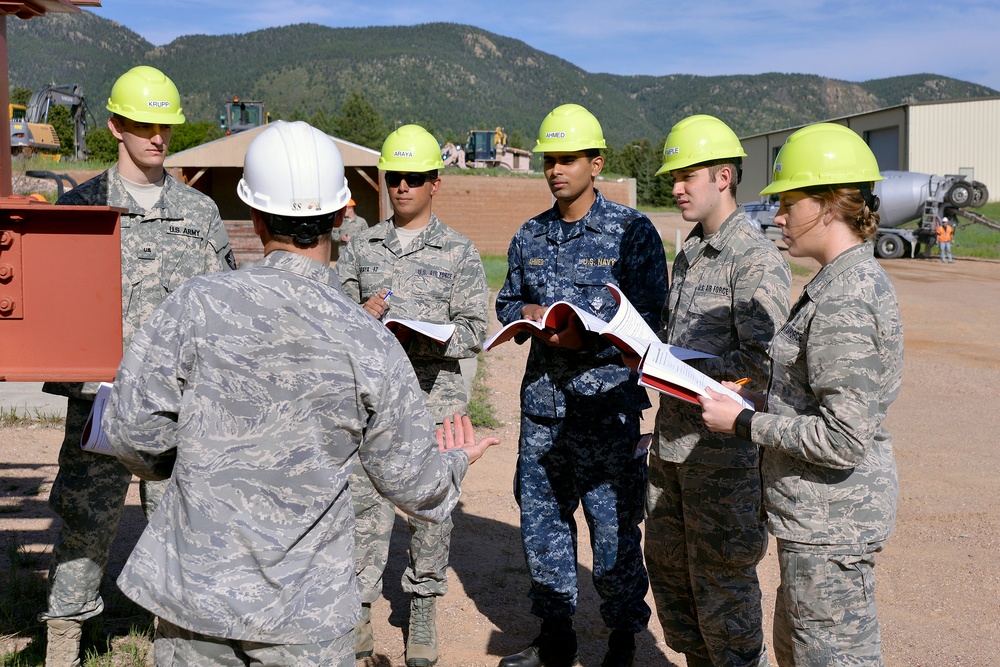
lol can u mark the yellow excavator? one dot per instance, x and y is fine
(25, 137)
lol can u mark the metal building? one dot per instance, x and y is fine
(953, 137)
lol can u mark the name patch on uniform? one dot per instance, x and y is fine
(435, 274)
(147, 252)
(371, 268)
(791, 333)
(713, 289)
(536, 261)
(184, 231)
(597, 261)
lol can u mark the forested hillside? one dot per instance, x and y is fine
(449, 77)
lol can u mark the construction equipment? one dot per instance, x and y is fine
(243, 115)
(488, 148)
(25, 137)
(906, 196)
(35, 132)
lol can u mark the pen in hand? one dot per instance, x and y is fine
(743, 382)
(385, 299)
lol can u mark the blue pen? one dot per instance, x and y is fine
(387, 295)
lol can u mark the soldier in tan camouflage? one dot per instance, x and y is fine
(353, 224)
(169, 233)
(829, 475)
(254, 390)
(413, 266)
(705, 529)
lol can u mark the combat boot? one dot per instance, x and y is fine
(62, 648)
(364, 640)
(555, 646)
(422, 638)
(621, 649)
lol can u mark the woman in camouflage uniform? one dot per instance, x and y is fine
(828, 470)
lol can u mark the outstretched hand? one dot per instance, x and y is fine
(462, 436)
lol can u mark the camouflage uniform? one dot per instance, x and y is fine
(182, 236)
(705, 528)
(829, 475)
(439, 279)
(350, 227)
(580, 409)
(254, 390)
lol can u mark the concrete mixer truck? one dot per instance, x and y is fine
(907, 196)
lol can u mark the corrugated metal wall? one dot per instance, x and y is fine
(956, 138)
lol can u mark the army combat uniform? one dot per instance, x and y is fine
(580, 409)
(351, 228)
(180, 237)
(705, 528)
(829, 475)
(439, 279)
(253, 540)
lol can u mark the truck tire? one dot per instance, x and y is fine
(960, 194)
(980, 195)
(889, 246)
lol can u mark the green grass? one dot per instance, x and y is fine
(481, 410)
(975, 240)
(496, 271)
(11, 417)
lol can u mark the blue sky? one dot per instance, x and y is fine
(846, 39)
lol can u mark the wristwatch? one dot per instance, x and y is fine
(743, 423)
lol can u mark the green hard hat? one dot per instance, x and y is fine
(697, 139)
(410, 148)
(822, 154)
(146, 95)
(567, 129)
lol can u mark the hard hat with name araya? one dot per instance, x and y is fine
(146, 95)
(410, 149)
(569, 128)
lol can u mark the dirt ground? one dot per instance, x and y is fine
(938, 578)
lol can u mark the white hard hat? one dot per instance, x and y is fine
(294, 170)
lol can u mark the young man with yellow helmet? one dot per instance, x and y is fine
(580, 406)
(705, 531)
(415, 267)
(169, 233)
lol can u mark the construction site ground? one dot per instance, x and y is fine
(938, 580)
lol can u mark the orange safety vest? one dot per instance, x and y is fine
(945, 233)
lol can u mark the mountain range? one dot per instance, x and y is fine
(449, 77)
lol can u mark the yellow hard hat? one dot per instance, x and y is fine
(146, 95)
(410, 149)
(567, 129)
(823, 154)
(697, 139)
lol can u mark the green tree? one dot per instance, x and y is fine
(61, 122)
(20, 95)
(102, 145)
(189, 135)
(359, 122)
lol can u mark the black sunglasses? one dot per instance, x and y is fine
(413, 179)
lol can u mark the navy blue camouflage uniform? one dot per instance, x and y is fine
(580, 409)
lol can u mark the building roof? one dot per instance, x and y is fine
(27, 9)
(230, 152)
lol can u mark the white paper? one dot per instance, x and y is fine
(93, 438)
(442, 333)
(661, 362)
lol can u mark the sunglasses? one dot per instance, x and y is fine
(413, 180)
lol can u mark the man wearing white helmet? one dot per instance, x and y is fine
(253, 391)
(169, 233)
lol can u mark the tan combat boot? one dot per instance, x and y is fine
(62, 647)
(364, 640)
(422, 640)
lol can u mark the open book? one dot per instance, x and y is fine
(662, 370)
(93, 438)
(442, 333)
(627, 330)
